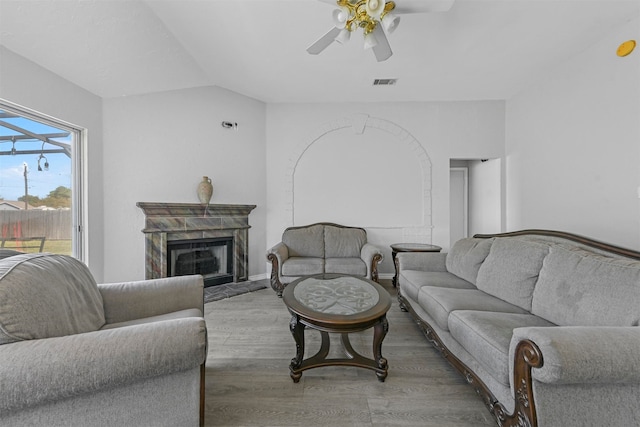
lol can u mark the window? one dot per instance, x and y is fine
(40, 183)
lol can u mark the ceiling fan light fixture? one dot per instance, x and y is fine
(370, 41)
(374, 8)
(390, 22)
(340, 17)
(373, 17)
(343, 36)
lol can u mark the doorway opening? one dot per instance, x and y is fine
(475, 197)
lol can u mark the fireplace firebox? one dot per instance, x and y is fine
(212, 258)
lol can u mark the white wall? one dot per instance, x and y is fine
(158, 147)
(27, 84)
(573, 146)
(355, 192)
(443, 130)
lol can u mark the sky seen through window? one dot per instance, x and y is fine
(39, 183)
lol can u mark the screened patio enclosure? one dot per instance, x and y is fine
(36, 184)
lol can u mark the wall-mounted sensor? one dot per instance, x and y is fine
(230, 125)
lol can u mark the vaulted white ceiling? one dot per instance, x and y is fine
(479, 49)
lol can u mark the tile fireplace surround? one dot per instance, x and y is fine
(167, 222)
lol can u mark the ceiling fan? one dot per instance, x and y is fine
(377, 18)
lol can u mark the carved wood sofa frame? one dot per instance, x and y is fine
(275, 281)
(527, 354)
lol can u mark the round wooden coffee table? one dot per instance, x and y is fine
(334, 303)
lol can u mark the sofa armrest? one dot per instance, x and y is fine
(145, 298)
(584, 354)
(371, 255)
(281, 252)
(38, 371)
(421, 261)
(369, 251)
(277, 255)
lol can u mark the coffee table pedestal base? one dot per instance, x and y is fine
(299, 364)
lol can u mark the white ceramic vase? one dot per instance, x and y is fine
(205, 190)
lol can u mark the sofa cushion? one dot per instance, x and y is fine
(440, 302)
(302, 266)
(305, 241)
(511, 270)
(354, 266)
(581, 288)
(45, 296)
(487, 335)
(466, 256)
(340, 242)
(410, 281)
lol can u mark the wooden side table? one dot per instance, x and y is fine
(409, 247)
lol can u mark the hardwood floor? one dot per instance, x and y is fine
(248, 383)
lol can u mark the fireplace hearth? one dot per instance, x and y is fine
(186, 238)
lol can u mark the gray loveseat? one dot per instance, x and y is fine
(75, 353)
(543, 324)
(322, 248)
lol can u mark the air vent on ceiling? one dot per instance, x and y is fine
(384, 82)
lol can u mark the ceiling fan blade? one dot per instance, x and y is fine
(422, 6)
(323, 42)
(382, 50)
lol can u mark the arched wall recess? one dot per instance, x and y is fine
(362, 171)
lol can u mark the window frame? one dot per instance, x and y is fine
(79, 197)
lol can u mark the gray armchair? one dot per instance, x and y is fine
(76, 353)
(322, 248)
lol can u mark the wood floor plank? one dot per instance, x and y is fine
(248, 383)
(448, 410)
(278, 411)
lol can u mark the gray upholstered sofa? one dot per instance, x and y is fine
(75, 353)
(322, 248)
(544, 324)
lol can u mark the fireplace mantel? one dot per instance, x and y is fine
(165, 222)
